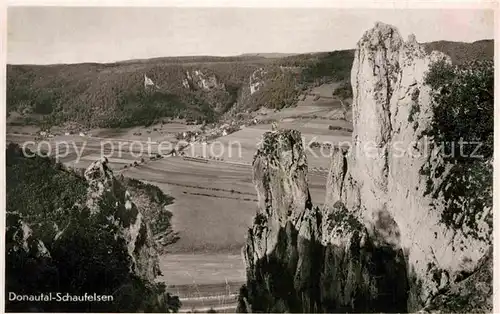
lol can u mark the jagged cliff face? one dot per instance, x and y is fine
(379, 243)
(302, 259)
(103, 186)
(108, 197)
(257, 80)
(22, 237)
(196, 79)
(382, 180)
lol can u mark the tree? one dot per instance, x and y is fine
(462, 105)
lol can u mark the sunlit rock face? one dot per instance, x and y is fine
(197, 79)
(471, 295)
(257, 80)
(379, 243)
(391, 110)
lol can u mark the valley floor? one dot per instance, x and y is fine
(204, 281)
(214, 202)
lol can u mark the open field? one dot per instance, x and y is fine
(240, 146)
(204, 281)
(201, 269)
(221, 304)
(157, 132)
(325, 90)
(153, 134)
(213, 206)
(214, 201)
(80, 152)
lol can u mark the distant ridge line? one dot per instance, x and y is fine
(215, 58)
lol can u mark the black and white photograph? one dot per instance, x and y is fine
(249, 159)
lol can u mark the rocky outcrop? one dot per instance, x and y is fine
(83, 233)
(473, 294)
(303, 259)
(21, 236)
(379, 243)
(257, 80)
(104, 187)
(383, 177)
(197, 79)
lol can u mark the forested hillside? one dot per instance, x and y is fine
(201, 89)
(64, 235)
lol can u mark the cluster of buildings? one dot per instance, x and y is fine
(48, 134)
(204, 136)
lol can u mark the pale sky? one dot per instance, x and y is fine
(45, 35)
